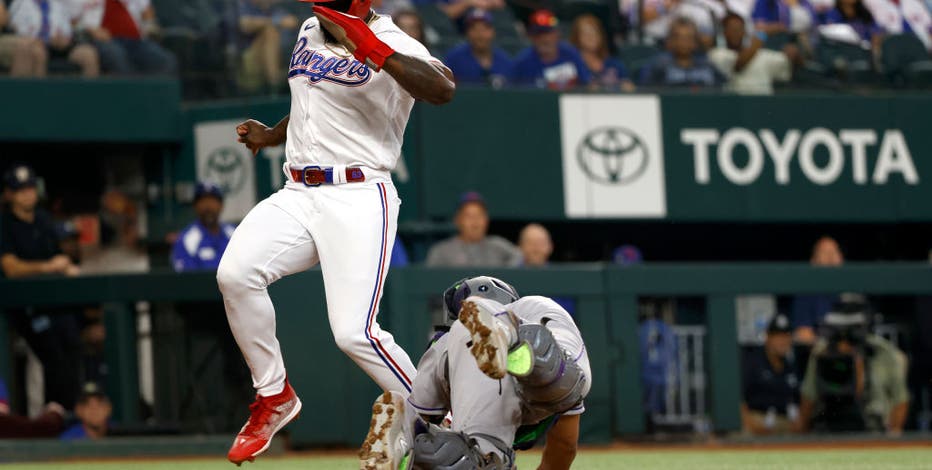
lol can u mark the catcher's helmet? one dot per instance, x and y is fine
(486, 287)
(358, 8)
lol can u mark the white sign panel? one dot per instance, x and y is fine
(612, 156)
(227, 163)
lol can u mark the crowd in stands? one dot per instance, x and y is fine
(742, 46)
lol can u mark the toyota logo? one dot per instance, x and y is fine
(612, 155)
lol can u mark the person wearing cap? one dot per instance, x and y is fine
(201, 244)
(549, 62)
(472, 246)
(479, 61)
(455, 9)
(93, 411)
(769, 383)
(29, 246)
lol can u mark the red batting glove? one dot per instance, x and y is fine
(355, 35)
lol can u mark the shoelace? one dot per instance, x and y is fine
(257, 421)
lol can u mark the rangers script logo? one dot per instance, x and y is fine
(316, 67)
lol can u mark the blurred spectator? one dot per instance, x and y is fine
(588, 36)
(411, 23)
(684, 64)
(121, 31)
(479, 61)
(627, 255)
(809, 310)
(751, 69)
(201, 244)
(472, 246)
(48, 424)
(853, 13)
(535, 245)
(49, 21)
(855, 380)
(455, 9)
(903, 16)
(390, 7)
(29, 247)
(770, 387)
(549, 62)
(659, 15)
(782, 16)
(93, 412)
(262, 23)
(120, 249)
(24, 57)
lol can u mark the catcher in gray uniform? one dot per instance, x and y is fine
(510, 370)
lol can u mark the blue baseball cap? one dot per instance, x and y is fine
(469, 197)
(542, 21)
(205, 188)
(475, 15)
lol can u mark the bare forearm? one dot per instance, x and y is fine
(557, 459)
(456, 10)
(252, 24)
(423, 80)
(898, 416)
(805, 414)
(14, 267)
(279, 133)
(746, 54)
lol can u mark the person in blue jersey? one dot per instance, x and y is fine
(93, 411)
(201, 244)
(549, 62)
(588, 36)
(478, 61)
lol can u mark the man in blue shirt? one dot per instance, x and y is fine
(201, 244)
(478, 61)
(93, 411)
(549, 62)
(684, 64)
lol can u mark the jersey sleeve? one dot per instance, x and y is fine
(404, 44)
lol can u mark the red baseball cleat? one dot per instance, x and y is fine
(268, 416)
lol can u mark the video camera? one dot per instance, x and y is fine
(838, 385)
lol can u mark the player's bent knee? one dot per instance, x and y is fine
(556, 383)
(351, 342)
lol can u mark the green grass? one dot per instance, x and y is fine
(888, 458)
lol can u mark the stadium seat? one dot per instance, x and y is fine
(905, 61)
(636, 57)
(848, 62)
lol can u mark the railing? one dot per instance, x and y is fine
(606, 310)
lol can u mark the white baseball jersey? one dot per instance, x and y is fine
(26, 18)
(343, 112)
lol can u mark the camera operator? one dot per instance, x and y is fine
(855, 380)
(770, 386)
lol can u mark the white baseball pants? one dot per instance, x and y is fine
(350, 230)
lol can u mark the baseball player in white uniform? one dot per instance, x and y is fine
(510, 370)
(354, 78)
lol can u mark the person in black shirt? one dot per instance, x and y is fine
(29, 247)
(771, 387)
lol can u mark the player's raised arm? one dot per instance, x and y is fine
(257, 135)
(560, 450)
(425, 81)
